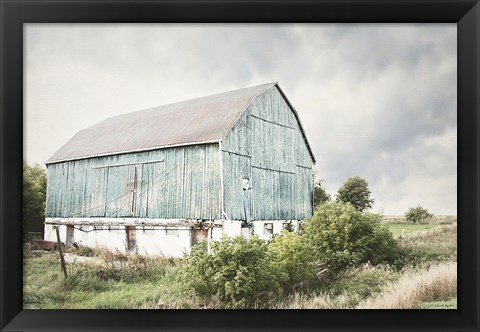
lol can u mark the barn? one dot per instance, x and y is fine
(159, 180)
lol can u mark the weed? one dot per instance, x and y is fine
(85, 251)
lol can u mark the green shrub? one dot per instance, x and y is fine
(343, 237)
(293, 258)
(237, 272)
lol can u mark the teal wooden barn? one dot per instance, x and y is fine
(159, 180)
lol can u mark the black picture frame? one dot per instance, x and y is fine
(466, 13)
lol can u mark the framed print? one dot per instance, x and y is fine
(185, 158)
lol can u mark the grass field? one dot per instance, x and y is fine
(407, 229)
(427, 281)
(401, 227)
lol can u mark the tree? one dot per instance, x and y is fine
(355, 191)
(321, 195)
(417, 214)
(34, 195)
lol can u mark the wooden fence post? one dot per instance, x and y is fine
(60, 250)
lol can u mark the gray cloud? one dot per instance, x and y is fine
(379, 93)
(377, 101)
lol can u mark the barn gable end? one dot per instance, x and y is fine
(268, 146)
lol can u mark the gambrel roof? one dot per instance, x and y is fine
(195, 121)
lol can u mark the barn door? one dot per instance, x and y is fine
(131, 234)
(246, 198)
(123, 191)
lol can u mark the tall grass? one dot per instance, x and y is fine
(309, 301)
(436, 245)
(410, 291)
(121, 282)
(343, 290)
(439, 282)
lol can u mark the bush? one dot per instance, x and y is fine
(417, 214)
(343, 237)
(293, 258)
(237, 271)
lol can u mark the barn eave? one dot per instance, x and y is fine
(299, 122)
(215, 141)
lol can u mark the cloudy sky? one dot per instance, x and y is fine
(377, 101)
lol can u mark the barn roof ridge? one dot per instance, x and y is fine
(154, 108)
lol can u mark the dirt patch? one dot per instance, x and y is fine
(72, 258)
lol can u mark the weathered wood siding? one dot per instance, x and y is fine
(185, 185)
(267, 146)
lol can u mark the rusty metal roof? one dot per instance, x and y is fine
(200, 120)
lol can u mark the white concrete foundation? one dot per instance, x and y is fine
(168, 241)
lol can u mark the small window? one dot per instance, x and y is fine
(288, 226)
(268, 230)
(246, 184)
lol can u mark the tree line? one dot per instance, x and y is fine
(355, 191)
(34, 196)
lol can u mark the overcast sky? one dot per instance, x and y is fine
(377, 101)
